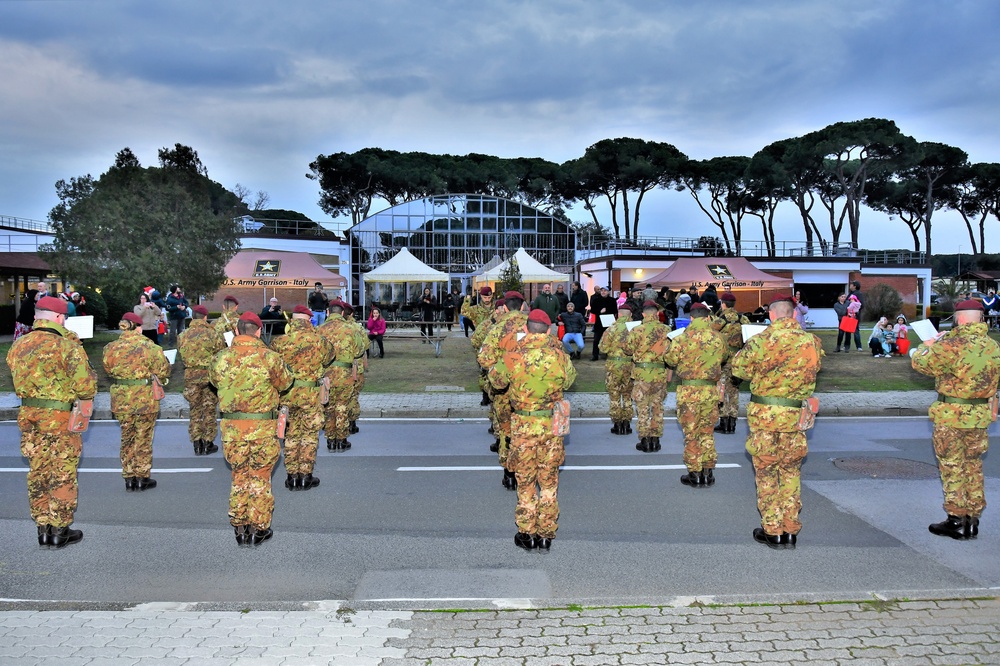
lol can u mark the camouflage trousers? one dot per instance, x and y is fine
(777, 460)
(500, 415)
(336, 421)
(697, 411)
(302, 437)
(535, 459)
(618, 377)
(959, 454)
(354, 406)
(251, 449)
(203, 405)
(137, 444)
(648, 398)
(731, 394)
(53, 455)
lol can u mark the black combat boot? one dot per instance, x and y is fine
(291, 481)
(628, 427)
(769, 540)
(491, 429)
(45, 535)
(259, 536)
(788, 539)
(524, 540)
(616, 428)
(543, 543)
(643, 445)
(209, 447)
(132, 483)
(199, 447)
(242, 534)
(707, 477)
(147, 483)
(509, 480)
(731, 427)
(723, 425)
(344, 445)
(654, 444)
(495, 446)
(307, 481)
(953, 526)
(64, 536)
(971, 527)
(486, 399)
(354, 428)
(690, 479)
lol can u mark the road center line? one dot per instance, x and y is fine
(570, 468)
(118, 470)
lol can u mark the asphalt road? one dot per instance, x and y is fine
(396, 524)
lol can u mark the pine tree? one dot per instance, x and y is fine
(510, 278)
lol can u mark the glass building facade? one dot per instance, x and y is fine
(458, 234)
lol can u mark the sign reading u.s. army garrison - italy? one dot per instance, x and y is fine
(265, 282)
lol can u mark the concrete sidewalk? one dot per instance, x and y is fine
(463, 404)
(686, 631)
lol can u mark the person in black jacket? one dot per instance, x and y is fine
(579, 298)
(573, 323)
(601, 303)
(26, 316)
(428, 306)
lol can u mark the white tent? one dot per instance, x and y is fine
(404, 267)
(531, 270)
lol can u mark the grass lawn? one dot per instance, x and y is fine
(410, 367)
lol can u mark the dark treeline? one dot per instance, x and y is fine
(828, 175)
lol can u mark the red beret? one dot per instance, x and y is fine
(779, 298)
(728, 297)
(348, 308)
(303, 310)
(971, 304)
(200, 309)
(132, 317)
(230, 297)
(52, 304)
(624, 306)
(540, 316)
(697, 306)
(513, 294)
(498, 302)
(485, 291)
(649, 304)
(252, 318)
(337, 303)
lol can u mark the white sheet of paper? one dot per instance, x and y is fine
(677, 332)
(171, 355)
(82, 326)
(607, 320)
(228, 335)
(520, 336)
(750, 330)
(632, 324)
(924, 329)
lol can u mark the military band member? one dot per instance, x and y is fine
(618, 372)
(729, 323)
(198, 346)
(480, 313)
(227, 320)
(349, 345)
(646, 345)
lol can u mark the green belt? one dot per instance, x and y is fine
(47, 404)
(775, 402)
(342, 364)
(307, 382)
(698, 382)
(543, 412)
(250, 416)
(962, 401)
(129, 382)
(650, 365)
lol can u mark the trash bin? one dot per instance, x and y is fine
(681, 323)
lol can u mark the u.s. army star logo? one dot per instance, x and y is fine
(266, 268)
(720, 272)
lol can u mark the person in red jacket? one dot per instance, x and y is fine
(376, 329)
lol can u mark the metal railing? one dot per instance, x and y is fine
(253, 226)
(22, 224)
(11, 243)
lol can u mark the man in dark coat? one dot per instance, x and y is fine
(601, 303)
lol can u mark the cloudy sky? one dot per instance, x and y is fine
(261, 88)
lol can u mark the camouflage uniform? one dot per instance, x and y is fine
(729, 324)
(647, 344)
(536, 373)
(500, 340)
(249, 377)
(50, 364)
(349, 344)
(618, 371)
(781, 364)
(484, 317)
(965, 363)
(354, 404)
(227, 322)
(131, 361)
(307, 353)
(698, 354)
(198, 346)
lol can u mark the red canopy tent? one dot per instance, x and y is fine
(726, 273)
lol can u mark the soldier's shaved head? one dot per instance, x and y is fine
(781, 310)
(537, 327)
(247, 328)
(968, 317)
(698, 313)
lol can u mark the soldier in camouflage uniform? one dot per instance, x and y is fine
(354, 404)
(250, 377)
(227, 320)
(349, 344)
(478, 337)
(480, 314)
(501, 339)
(537, 373)
(698, 354)
(781, 364)
(50, 371)
(965, 364)
(131, 362)
(618, 372)
(308, 354)
(729, 323)
(647, 344)
(198, 346)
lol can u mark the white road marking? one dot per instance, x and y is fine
(118, 470)
(572, 468)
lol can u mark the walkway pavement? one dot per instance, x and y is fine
(463, 404)
(869, 632)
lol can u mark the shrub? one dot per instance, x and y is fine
(117, 305)
(881, 300)
(95, 305)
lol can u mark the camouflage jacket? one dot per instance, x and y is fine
(483, 327)
(536, 372)
(647, 344)
(349, 341)
(249, 376)
(965, 363)
(133, 356)
(698, 352)
(50, 364)
(227, 322)
(477, 313)
(613, 342)
(198, 346)
(780, 362)
(729, 323)
(307, 354)
(501, 338)
(361, 336)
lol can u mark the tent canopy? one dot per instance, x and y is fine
(404, 267)
(268, 268)
(731, 273)
(531, 270)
